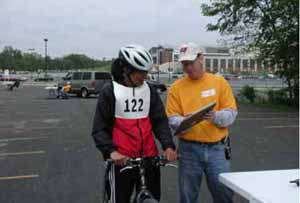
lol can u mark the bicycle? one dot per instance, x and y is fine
(143, 195)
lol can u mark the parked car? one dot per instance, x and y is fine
(46, 78)
(86, 83)
(228, 76)
(12, 77)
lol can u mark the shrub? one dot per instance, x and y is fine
(248, 92)
(278, 96)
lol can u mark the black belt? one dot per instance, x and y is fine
(222, 141)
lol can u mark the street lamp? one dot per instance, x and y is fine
(31, 69)
(169, 70)
(46, 40)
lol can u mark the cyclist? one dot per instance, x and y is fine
(129, 115)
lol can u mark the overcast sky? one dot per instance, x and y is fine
(98, 28)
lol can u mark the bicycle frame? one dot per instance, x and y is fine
(143, 193)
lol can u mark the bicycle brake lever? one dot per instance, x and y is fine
(172, 165)
(126, 168)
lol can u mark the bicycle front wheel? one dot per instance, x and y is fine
(149, 200)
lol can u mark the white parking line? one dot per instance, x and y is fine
(266, 119)
(19, 177)
(271, 113)
(282, 126)
(31, 128)
(21, 139)
(3, 144)
(22, 153)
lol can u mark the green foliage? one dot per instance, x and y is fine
(15, 60)
(268, 28)
(10, 57)
(104, 68)
(278, 96)
(249, 93)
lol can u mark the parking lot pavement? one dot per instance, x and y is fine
(47, 154)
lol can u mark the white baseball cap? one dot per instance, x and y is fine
(189, 52)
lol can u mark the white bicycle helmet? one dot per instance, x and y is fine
(137, 56)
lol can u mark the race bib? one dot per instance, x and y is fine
(132, 103)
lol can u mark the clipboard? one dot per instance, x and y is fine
(194, 118)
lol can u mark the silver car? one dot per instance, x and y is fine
(86, 83)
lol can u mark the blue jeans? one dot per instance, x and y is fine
(196, 159)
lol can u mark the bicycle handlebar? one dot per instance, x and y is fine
(138, 162)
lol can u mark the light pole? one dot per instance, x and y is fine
(169, 70)
(46, 40)
(31, 50)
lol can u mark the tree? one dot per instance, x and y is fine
(31, 62)
(268, 28)
(79, 61)
(10, 58)
(15, 60)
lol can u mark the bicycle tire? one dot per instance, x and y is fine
(149, 200)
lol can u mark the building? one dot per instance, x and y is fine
(161, 55)
(222, 60)
(217, 60)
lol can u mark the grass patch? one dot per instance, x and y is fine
(106, 68)
(274, 107)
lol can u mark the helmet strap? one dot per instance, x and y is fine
(127, 76)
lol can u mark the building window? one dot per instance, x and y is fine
(215, 63)
(207, 63)
(154, 59)
(160, 61)
(266, 65)
(238, 63)
(230, 63)
(272, 66)
(245, 63)
(176, 56)
(252, 63)
(259, 65)
(223, 63)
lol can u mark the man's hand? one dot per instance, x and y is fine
(118, 158)
(210, 116)
(170, 154)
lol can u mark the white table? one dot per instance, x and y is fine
(51, 90)
(8, 83)
(264, 186)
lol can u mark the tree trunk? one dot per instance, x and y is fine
(296, 92)
(290, 89)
